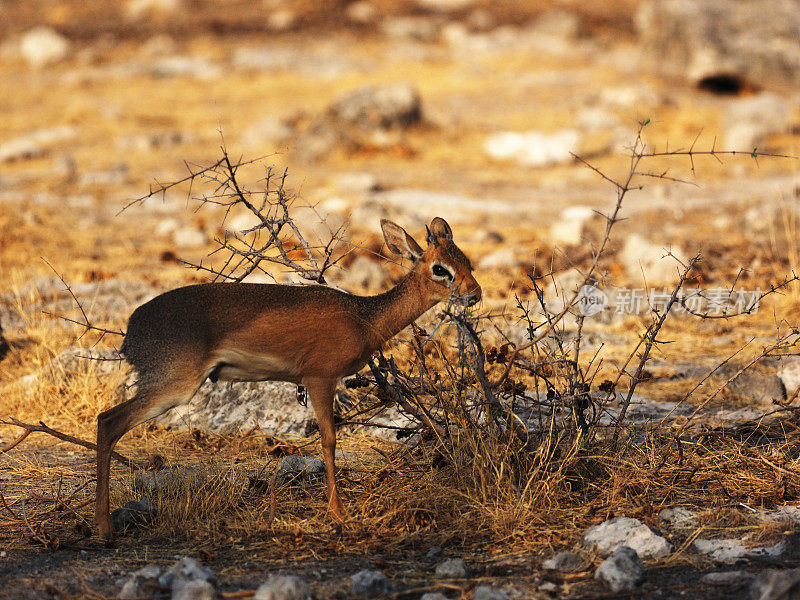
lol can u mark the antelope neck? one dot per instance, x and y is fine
(389, 313)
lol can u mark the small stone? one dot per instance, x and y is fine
(196, 67)
(134, 514)
(357, 183)
(266, 132)
(433, 596)
(504, 258)
(282, 20)
(566, 562)
(757, 387)
(573, 226)
(362, 12)
(548, 586)
(726, 578)
(363, 274)
(421, 29)
(621, 571)
(677, 517)
(731, 550)
(42, 46)
(485, 592)
(292, 468)
(183, 571)
(434, 552)
(789, 372)
(283, 587)
(139, 584)
(194, 590)
(369, 583)
(750, 120)
(141, 8)
(454, 568)
(378, 107)
(641, 256)
(625, 531)
(533, 148)
(776, 585)
(36, 143)
(189, 237)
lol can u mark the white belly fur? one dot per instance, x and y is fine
(240, 365)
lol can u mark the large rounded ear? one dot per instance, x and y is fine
(441, 229)
(399, 241)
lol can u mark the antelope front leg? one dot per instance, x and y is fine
(321, 393)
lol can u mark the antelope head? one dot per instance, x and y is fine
(442, 269)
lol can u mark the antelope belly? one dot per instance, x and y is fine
(239, 365)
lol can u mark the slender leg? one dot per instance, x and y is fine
(150, 401)
(321, 392)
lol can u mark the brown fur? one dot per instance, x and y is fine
(309, 335)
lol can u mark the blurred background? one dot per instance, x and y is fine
(466, 109)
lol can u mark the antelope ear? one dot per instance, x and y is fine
(399, 241)
(440, 228)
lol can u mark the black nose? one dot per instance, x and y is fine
(473, 298)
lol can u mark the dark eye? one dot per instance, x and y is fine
(440, 271)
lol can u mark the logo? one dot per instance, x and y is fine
(591, 300)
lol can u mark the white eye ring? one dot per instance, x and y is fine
(441, 272)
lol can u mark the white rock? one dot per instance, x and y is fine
(751, 42)
(789, 372)
(623, 570)
(36, 143)
(42, 46)
(504, 258)
(188, 573)
(267, 131)
(533, 148)
(455, 568)
(731, 550)
(362, 12)
(485, 592)
(241, 221)
(790, 514)
(776, 585)
(557, 23)
(369, 583)
(283, 587)
(641, 255)
(421, 29)
(357, 183)
(158, 45)
(625, 531)
(677, 517)
(194, 590)
(140, 8)
(293, 466)
(281, 20)
(196, 67)
(189, 237)
(364, 274)
(750, 120)
(135, 585)
(433, 596)
(570, 228)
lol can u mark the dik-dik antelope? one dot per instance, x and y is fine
(309, 335)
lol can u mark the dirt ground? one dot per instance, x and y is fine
(144, 93)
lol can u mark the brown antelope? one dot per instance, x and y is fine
(309, 335)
